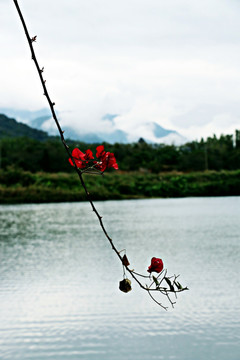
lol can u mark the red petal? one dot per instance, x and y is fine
(77, 154)
(81, 165)
(112, 161)
(100, 151)
(88, 155)
(78, 163)
(70, 160)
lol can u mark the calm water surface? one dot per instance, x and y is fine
(59, 296)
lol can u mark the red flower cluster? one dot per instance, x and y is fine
(80, 158)
(156, 265)
(107, 159)
(86, 160)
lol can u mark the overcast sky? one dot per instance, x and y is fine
(175, 62)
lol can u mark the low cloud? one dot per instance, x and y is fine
(174, 63)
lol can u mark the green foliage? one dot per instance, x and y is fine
(50, 155)
(18, 186)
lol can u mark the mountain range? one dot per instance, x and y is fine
(41, 120)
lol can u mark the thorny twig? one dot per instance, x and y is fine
(163, 290)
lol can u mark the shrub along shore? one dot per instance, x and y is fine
(19, 186)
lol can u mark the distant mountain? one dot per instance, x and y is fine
(168, 136)
(160, 132)
(26, 116)
(117, 135)
(151, 132)
(39, 121)
(112, 137)
(89, 138)
(11, 128)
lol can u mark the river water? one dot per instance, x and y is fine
(59, 296)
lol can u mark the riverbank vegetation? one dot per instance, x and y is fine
(19, 186)
(38, 171)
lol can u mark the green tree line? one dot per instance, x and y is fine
(214, 153)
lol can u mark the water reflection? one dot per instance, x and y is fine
(59, 296)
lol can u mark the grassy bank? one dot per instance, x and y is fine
(17, 186)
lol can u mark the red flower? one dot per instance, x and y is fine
(107, 159)
(80, 158)
(156, 265)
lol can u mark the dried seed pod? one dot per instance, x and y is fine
(125, 285)
(125, 260)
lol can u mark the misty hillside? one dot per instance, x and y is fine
(150, 131)
(11, 128)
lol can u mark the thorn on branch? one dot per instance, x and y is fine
(34, 38)
(42, 69)
(53, 105)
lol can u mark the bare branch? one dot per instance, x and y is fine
(91, 169)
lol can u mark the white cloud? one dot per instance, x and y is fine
(173, 62)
